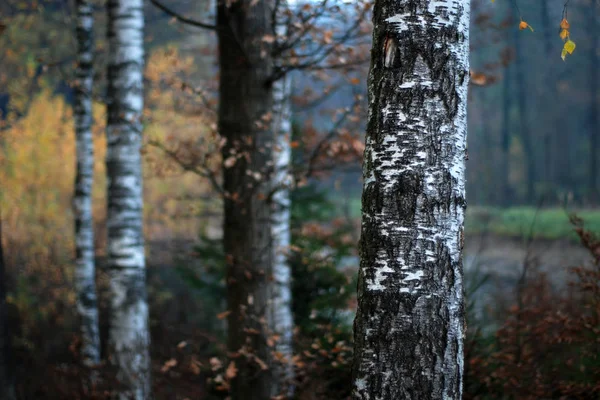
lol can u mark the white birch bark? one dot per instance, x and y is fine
(409, 327)
(129, 336)
(85, 286)
(281, 305)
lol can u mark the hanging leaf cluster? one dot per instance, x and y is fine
(569, 45)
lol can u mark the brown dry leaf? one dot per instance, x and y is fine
(328, 37)
(478, 78)
(168, 365)
(223, 315)
(195, 366)
(261, 363)
(355, 81)
(229, 162)
(231, 371)
(268, 38)
(215, 363)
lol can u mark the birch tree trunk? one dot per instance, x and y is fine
(129, 337)
(410, 325)
(245, 122)
(281, 306)
(87, 304)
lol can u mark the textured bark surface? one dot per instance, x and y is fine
(87, 304)
(280, 308)
(7, 388)
(129, 337)
(410, 327)
(245, 121)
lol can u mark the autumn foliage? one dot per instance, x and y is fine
(548, 346)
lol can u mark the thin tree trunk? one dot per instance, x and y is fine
(129, 338)
(87, 304)
(245, 122)
(7, 387)
(506, 137)
(524, 131)
(280, 308)
(410, 323)
(594, 104)
(547, 96)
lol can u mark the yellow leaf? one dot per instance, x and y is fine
(564, 24)
(563, 54)
(564, 34)
(569, 46)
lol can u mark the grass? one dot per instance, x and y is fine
(549, 223)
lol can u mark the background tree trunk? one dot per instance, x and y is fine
(7, 385)
(506, 137)
(245, 122)
(594, 104)
(281, 307)
(129, 338)
(524, 131)
(87, 304)
(549, 137)
(410, 326)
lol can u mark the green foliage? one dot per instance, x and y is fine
(550, 223)
(207, 279)
(321, 289)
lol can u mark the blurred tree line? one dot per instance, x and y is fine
(533, 124)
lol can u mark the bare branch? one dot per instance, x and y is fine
(181, 18)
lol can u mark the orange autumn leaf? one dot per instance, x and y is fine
(564, 34)
(564, 24)
(525, 25)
